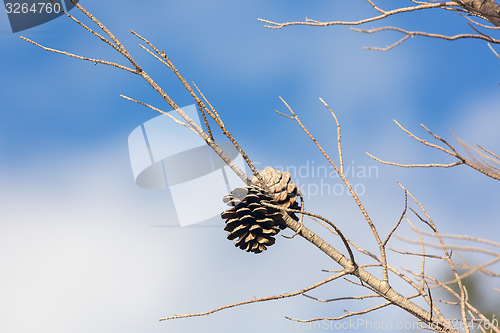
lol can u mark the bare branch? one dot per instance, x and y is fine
(399, 221)
(262, 299)
(337, 230)
(341, 298)
(409, 34)
(95, 61)
(495, 52)
(102, 38)
(485, 9)
(464, 237)
(346, 182)
(483, 166)
(177, 121)
(138, 70)
(351, 314)
(428, 165)
(339, 135)
(309, 22)
(448, 256)
(418, 254)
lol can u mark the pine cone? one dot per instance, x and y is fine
(253, 223)
(250, 221)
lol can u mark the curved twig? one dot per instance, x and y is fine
(261, 299)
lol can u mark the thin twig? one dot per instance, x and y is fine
(448, 258)
(409, 34)
(95, 61)
(418, 254)
(342, 298)
(275, 25)
(464, 237)
(339, 135)
(495, 52)
(483, 167)
(177, 121)
(399, 221)
(357, 313)
(337, 230)
(348, 185)
(255, 300)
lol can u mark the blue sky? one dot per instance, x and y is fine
(77, 246)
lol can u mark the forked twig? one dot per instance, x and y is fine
(399, 221)
(340, 172)
(342, 298)
(383, 15)
(95, 61)
(447, 254)
(485, 9)
(337, 230)
(350, 314)
(409, 34)
(483, 166)
(255, 300)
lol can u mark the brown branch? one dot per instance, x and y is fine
(451, 247)
(464, 237)
(485, 9)
(483, 167)
(217, 118)
(202, 107)
(473, 309)
(262, 299)
(384, 14)
(138, 70)
(377, 285)
(396, 272)
(384, 263)
(357, 313)
(95, 61)
(422, 250)
(399, 221)
(177, 121)
(337, 230)
(342, 298)
(495, 52)
(418, 254)
(102, 38)
(427, 165)
(448, 257)
(346, 182)
(409, 34)
(118, 45)
(339, 136)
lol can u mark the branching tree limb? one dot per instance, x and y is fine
(488, 10)
(380, 287)
(486, 162)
